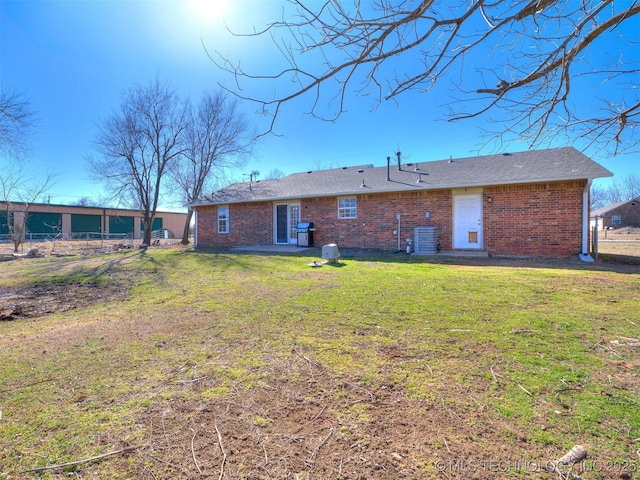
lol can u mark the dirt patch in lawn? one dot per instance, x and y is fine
(36, 300)
(306, 423)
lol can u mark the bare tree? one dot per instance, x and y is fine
(618, 190)
(17, 123)
(137, 145)
(18, 192)
(538, 67)
(598, 197)
(19, 187)
(625, 188)
(216, 139)
(86, 202)
(630, 186)
(275, 173)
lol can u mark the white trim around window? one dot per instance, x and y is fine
(223, 219)
(347, 207)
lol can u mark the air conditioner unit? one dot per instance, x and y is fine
(425, 240)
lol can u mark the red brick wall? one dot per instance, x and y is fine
(629, 215)
(249, 224)
(376, 219)
(542, 219)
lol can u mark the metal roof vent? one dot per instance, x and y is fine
(364, 185)
(420, 179)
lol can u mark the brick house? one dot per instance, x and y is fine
(533, 203)
(618, 215)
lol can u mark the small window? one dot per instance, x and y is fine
(223, 219)
(616, 220)
(347, 208)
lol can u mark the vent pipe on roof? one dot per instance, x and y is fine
(388, 165)
(363, 184)
(399, 164)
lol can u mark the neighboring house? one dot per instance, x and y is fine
(618, 215)
(533, 203)
(67, 222)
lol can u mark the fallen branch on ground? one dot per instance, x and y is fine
(224, 454)
(86, 460)
(27, 385)
(193, 452)
(525, 390)
(312, 457)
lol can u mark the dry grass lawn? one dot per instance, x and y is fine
(170, 363)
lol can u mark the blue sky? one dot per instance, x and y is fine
(73, 59)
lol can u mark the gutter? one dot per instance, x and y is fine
(195, 228)
(584, 256)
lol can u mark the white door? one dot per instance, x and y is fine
(294, 218)
(286, 216)
(467, 221)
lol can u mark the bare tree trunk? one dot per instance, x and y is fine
(187, 228)
(147, 223)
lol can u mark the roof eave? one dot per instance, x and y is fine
(365, 190)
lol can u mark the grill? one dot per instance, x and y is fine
(304, 234)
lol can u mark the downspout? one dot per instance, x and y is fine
(195, 228)
(584, 256)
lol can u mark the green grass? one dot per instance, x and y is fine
(531, 345)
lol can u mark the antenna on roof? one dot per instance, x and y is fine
(399, 165)
(388, 164)
(252, 176)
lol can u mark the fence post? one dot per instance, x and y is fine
(594, 237)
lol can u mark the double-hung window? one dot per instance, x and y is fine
(616, 219)
(347, 207)
(223, 219)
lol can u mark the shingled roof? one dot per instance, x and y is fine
(606, 209)
(558, 164)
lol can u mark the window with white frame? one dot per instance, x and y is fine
(616, 219)
(347, 207)
(223, 219)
